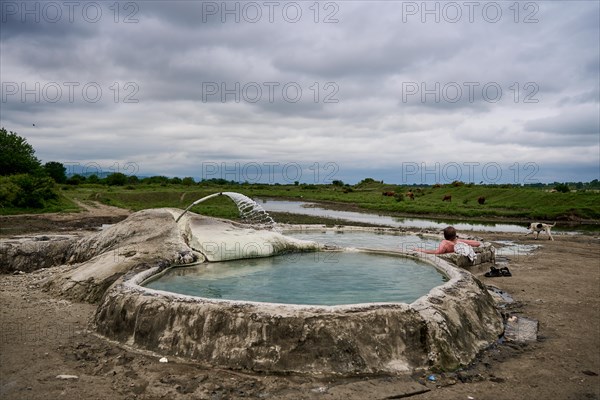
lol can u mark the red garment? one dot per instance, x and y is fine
(447, 246)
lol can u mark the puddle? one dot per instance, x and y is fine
(509, 249)
(506, 298)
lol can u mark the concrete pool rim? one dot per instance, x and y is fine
(139, 281)
(445, 328)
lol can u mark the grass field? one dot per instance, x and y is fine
(515, 203)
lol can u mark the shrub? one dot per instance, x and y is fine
(562, 188)
(9, 191)
(75, 179)
(188, 181)
(366, 181)
(26, 191)
(116, 179)
(399, 196)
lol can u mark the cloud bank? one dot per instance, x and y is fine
(395, 90)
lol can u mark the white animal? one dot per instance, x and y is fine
(537, 227)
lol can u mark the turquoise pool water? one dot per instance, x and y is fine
(322, 278)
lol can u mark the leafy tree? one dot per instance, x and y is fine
(116, 179)
(132, 180)
(366, 181)
(188, 181)
(75, 179)
(156, 179)
(562, 188)
(93, 179)
(16, 155)
(56, 171)
(175, 181)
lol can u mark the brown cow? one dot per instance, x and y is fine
(481, 200)
(410, 195)
(391, 194)
(447, 197)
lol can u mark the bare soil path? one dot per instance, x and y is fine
(92, 216)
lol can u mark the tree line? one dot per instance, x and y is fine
(27, 183)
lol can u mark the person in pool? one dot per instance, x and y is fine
(450, 239)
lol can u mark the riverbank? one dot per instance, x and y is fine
(464, 201)
(586, 224)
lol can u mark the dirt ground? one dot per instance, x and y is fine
(42, 337)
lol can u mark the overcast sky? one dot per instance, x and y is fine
(406, 92)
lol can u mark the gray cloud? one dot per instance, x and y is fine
(569, 123)
(378, 86)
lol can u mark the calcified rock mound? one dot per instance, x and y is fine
(152, 238)
(145, 239)
(27, 254)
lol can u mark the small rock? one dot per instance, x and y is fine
(163, 360)
(67, 377)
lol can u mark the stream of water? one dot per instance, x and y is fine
(306, 208)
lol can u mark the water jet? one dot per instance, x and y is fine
(250, 211)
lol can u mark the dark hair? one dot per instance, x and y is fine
(450, 233)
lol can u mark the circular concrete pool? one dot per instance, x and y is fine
(445, 323)
(321, 278)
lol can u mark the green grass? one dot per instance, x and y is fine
(515, 203)
(62, 204)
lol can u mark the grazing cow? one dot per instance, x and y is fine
(410, 195)
(391, 194)
(481, 200)
(447, 197)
